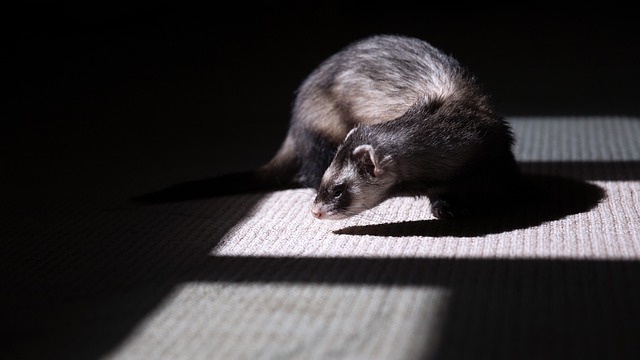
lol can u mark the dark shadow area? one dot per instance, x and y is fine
(499, 309)
(78, 292)
(227, 184)
(548, 198)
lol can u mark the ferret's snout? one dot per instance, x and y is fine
(316, 211)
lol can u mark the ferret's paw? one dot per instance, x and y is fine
(442, 210)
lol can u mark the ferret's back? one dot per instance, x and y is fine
(377, 79)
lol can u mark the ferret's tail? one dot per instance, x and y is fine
(278, 174)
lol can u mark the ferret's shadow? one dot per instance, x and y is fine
(546, 198)
(222, 185)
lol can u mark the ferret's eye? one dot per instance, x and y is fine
(337, 191)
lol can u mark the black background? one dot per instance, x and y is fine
(224, 75)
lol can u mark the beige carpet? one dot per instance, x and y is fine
(256, 277)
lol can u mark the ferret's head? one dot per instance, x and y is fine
(358, 179)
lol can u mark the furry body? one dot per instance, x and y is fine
(418, 124)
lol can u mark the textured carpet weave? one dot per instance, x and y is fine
(256, 277)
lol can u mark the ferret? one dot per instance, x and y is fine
(387, 116)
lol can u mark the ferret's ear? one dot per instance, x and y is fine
(367, 157)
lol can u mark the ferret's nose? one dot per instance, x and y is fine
(316, 212)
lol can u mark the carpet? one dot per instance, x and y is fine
(88, 274)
